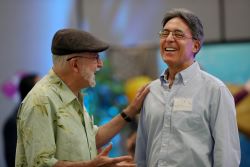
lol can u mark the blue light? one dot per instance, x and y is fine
(56, 15)
(113, 111)
(121, 18)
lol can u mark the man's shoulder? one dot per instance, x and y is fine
(155, 83)
(211, 80)
(41, 93)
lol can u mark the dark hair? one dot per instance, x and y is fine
(190, 18)
(26, 84)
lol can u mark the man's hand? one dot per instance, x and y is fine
(136, 104)
(102, 160)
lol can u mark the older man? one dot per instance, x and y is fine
(54, 128)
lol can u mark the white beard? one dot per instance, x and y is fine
(87, 74)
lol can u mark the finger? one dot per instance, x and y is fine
(141, 95)
(143, 88)
(106, 150)
(125, 165)
(146, 90)
(121, 159)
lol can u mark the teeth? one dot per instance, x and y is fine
(170, 49)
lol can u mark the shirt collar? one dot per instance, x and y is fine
(164, 76)
(186, 74)
(65, 93)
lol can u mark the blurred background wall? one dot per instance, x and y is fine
(26, 30)
(27, 27)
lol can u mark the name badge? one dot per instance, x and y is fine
(183, 104)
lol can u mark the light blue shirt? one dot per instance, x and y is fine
(193, 124)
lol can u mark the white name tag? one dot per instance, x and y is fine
(182, 104)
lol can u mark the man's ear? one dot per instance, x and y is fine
(196, 46)
(73, 65)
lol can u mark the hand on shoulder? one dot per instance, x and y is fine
(136, 104)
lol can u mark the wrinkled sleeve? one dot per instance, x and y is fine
(35, 128)
(141, 140)
(224, 130)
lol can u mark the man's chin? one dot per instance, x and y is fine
(92, 84)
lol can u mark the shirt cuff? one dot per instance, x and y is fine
(51, 162)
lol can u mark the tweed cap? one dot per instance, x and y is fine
(68, 41)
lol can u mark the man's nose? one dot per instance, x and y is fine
(99, 63)
(170, 36)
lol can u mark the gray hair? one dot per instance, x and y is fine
(60, 60)
(191, 20)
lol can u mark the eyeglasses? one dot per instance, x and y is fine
(97, 57)
(177, 34)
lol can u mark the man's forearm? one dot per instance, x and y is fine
(109, 130)
(106, 132)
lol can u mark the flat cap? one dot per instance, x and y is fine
(68, 41)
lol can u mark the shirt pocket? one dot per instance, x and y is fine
(187, 120)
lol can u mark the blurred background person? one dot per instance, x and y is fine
(242, 93)
(10, 130)
(131, 139)
(241, 98)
